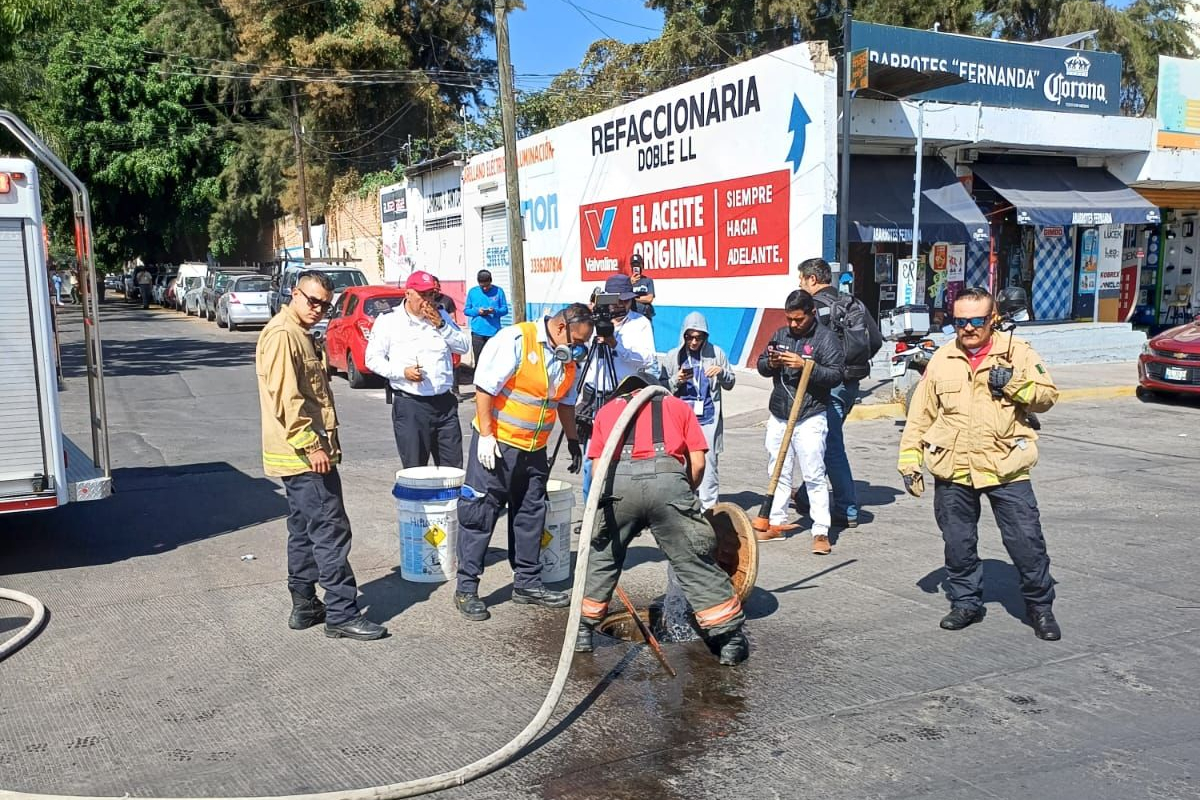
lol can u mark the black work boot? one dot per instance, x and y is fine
(306, 612)
(471, 607)
(583, 642)
(731, 647)
(959, 618)
(359, 628)
(1045, 626)
(541, 596)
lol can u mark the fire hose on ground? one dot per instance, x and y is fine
(31, 628)
(482, 766)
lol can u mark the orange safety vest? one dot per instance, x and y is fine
(524, 408)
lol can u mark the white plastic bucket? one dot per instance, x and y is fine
(427, 507)
(556, 538)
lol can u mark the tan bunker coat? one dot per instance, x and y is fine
(960, 433)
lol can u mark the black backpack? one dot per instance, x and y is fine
(849, 319)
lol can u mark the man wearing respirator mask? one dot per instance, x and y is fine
(524, 381)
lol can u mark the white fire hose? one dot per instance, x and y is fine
(31, 628)
(483, 766)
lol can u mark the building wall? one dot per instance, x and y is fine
(351, 229)
(690, 197)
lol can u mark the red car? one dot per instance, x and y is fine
(1170, 362)
(350, 327)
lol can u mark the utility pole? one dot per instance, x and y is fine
(300, 175)
(844, 180)
(508, 122)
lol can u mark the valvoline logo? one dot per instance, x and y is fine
(600, 225)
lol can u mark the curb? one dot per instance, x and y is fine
(877, 411)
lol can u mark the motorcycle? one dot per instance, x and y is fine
(908, 327)
(912, 354)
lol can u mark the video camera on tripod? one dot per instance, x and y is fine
(603, 306)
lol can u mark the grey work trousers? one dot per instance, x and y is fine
(653, 493)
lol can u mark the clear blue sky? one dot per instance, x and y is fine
(552, 35)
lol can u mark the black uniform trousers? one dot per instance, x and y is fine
(477, 343)
(956, 508)
(519, 482)
(427, 427)
(318, 547)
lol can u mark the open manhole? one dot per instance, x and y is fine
(621, 626)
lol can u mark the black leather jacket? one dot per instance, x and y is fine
(825, 348)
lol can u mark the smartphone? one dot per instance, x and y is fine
(688, 371)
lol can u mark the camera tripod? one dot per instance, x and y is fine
(601, 355)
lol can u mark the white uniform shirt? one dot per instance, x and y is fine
(400, 340)
(633, 355)
(500, 357)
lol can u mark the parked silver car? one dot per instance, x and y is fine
(245, 301)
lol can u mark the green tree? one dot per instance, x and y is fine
(133, 126)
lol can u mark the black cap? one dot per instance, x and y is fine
(620, 285)
(635, 261)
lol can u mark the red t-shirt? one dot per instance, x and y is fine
(681, 430)
(975, 359)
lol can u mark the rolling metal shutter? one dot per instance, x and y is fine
(22, 455)
(495, 253)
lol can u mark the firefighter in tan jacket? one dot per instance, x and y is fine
(969, 425)
(300, 446)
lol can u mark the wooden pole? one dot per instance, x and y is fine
(508, 123)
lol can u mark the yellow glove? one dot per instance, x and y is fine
(914, 483)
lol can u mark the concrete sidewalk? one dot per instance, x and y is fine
(746, 404)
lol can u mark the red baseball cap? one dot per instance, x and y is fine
(421, 282)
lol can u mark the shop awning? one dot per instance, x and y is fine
(881, 201)
(1063, 194)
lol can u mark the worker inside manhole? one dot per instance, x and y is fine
(650, 485)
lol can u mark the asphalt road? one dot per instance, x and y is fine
(167, 667)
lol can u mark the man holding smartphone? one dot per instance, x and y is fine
(486, 306)
(782, 361)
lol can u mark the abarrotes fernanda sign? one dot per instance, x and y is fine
(999, 73)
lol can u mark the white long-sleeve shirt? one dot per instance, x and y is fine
(400, 340)
(500, 357)
(633, 355)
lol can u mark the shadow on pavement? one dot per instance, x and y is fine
(153, 510)
(1001, 584)
(800, 584)
(389, 596)
(167, 356)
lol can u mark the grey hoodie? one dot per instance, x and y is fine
(710, 355)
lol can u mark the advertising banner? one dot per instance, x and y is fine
(956, 263)
(1108, 270)
(999, 73)
(393, 216)
(1178, 102)
(722, 185)
(722, 229)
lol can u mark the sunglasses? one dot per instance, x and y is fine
(694, 337)
(313, 303)
(974, 322)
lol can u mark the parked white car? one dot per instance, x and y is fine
(191, 300)
(245, 301)
(183, 285)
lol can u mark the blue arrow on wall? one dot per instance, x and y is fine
(796, 124)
